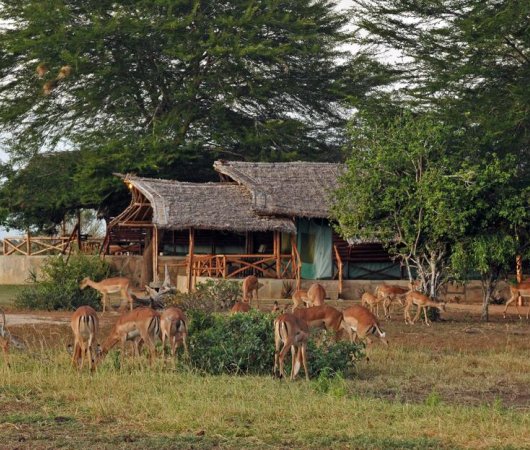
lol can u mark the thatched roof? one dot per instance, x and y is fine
(297, 189)
(212, 206)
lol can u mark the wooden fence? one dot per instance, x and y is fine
(28, 245)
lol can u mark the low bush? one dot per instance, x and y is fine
(210, 296)
(59, 287)
(244, 344)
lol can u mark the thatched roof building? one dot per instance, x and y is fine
(208, 206)
(295, 189)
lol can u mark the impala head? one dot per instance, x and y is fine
(84, 283)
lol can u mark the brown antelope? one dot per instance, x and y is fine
(85, 324)
(299, 298)
(316, 295)
(4, 338)
(388, 294)
(251, 285)
(372, 302)
(293, 332)
(240, 307)
(422, 301)
(516, 291)
(173, 326)
(323, 316)
(110, 286)
(141, 323)
(360, 322)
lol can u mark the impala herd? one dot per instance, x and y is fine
(144, 325)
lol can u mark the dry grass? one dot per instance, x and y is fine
(457, 384)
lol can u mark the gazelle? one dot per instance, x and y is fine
(293, 332)
(173, 326)
(372, 302)
(141, 323)
(518, 290)
(240, 307)
(323, 316)
(110, 286)
(359, 322)
(316, 295)
(299, 298)
(388, 294)
(85, 324)
(251, 285)
(422, 302)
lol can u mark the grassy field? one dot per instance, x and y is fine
(8, 293)
(457, 384)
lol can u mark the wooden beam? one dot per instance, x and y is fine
(155, 254)
(277, 252)
(191, 249)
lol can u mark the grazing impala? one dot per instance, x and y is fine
(360, 322)
(141, 323)
(323, 316)
(110, 286)
(518, 290)
(316, 295)
(388, 294)
(173, 326)
(299, 298)
(240, 307)
(293, 332)
(422, 302)
(251, 285)
(85, 324)
(372, 302)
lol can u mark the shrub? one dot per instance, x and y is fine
(59, 288)
(244, 343)
(209, 296)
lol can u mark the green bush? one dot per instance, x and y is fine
(244, 343)
(209, 296)
(59, 288)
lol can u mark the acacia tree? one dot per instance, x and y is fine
(165, 87)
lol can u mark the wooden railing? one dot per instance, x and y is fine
(45, 245)
(340, 267)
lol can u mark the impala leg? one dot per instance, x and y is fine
(406, 313)
(512, 298)
(284, 351)
(426, 318)
(304, 360)
(418, 313)
(294, 357)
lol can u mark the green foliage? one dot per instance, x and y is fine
(244, 344)
(59, 288)
(433, 399)
(331, 383)
(209, 296)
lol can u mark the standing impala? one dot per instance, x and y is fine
(388, 294)
(360, 322)
(316, 295)
(372, 302)
(324, 316)
(110, 286)
(422, 302)
(85, 324)
(299, 298)
(141, 323)
(173, 326)
(293, 332)
(251, 285)
(518, 290)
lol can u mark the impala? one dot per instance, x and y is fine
(173, 326)
(422, 302)
(85, 324)
(516, 291)
(299, 298)
(316, 295)
(140, 323)
(360, 322)
(323, 316)
(251, 285)
(240, 307)
(388, 294)
(372, 302)
(110, 286)
(293, 332)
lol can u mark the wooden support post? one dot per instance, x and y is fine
(28, 243)
(277, 253)
(155, 254)
(191, 249)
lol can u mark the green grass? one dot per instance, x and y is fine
(45, 401)
(8, 293)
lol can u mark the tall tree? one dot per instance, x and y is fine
(167, 86)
